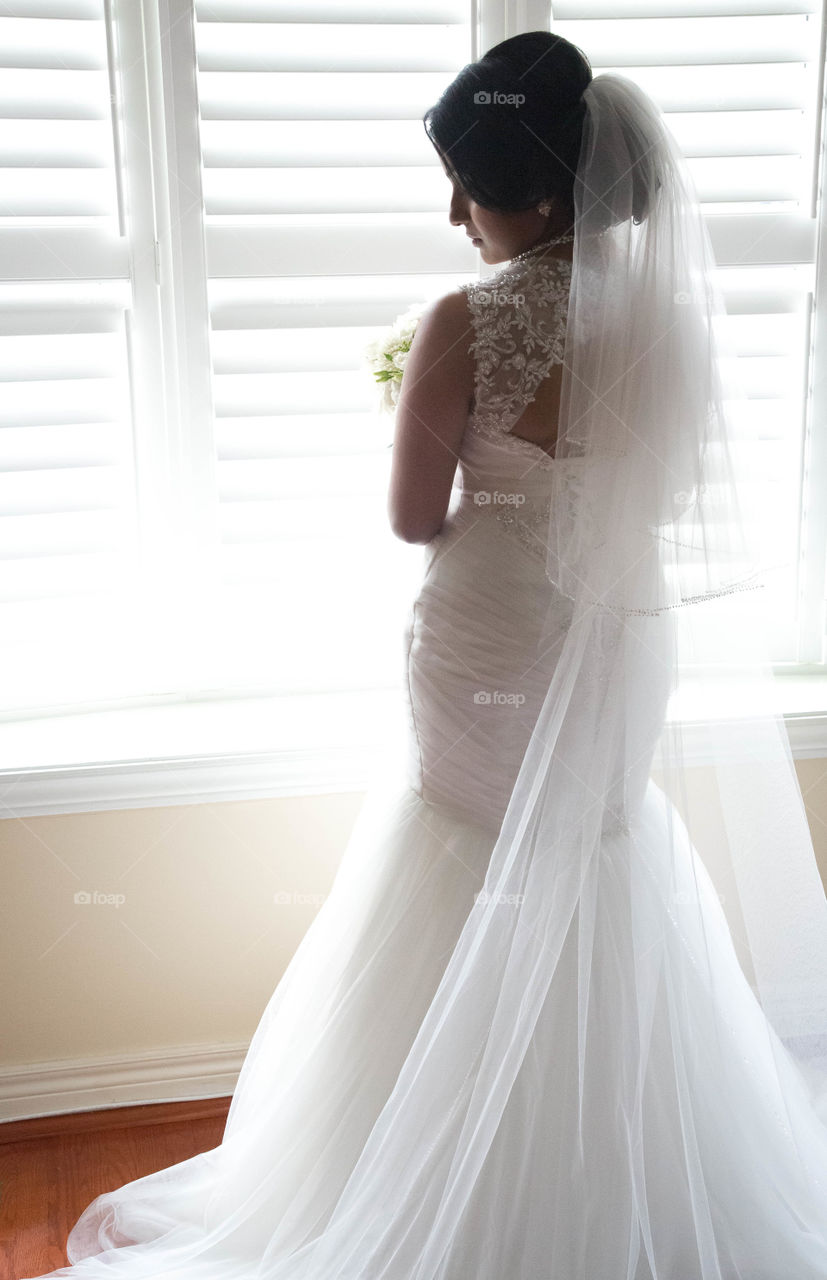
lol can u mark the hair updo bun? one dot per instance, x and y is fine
(509, 127)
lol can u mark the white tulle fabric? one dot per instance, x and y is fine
(533, 1034)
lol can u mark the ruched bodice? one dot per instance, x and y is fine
(477, 675)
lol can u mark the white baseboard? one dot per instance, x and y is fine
(173, 1075)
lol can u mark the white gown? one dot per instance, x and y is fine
(337, 1029)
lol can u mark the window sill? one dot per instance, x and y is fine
(256, 748)
(196, 752)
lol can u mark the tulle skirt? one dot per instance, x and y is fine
(557, 1198)
(321, 1064)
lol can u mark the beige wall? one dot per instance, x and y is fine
(193, 953)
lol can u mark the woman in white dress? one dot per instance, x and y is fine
(517, 1042)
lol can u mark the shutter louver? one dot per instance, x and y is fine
(68, 521)
(313, 152)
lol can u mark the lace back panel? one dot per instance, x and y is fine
(519, 320)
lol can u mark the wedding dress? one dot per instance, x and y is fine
(455, 1080)
(339, 1025)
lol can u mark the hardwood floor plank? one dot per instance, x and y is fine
(47, 1178)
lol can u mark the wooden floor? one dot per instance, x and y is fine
(52, 1168)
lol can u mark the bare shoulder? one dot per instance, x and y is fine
(446, 317)
(441, 351)
(440, 361)
(452, 307)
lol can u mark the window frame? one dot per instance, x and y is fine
(156, 93)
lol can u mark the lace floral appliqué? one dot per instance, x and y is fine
(519, 319)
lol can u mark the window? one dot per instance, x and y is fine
(212, 206)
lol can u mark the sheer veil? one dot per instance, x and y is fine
(706, 968)
(659, 554)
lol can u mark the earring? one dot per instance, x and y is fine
(544, 208)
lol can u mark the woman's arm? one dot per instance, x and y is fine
(434, 400)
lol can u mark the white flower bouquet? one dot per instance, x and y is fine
(387, 356)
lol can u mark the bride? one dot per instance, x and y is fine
(532, 1034)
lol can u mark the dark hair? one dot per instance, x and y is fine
(508, 154)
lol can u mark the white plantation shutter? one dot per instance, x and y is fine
(207, 209)
(68, 520)
(326, 216)
(740, 85)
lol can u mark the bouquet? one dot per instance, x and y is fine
(386, 356)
